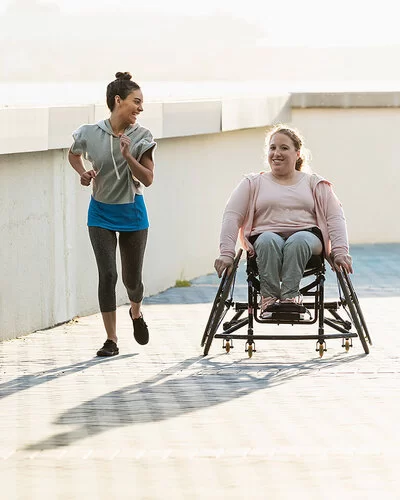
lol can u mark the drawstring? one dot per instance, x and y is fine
(112, 155)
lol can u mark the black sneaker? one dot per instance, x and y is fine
(109, 348)
(140, 330)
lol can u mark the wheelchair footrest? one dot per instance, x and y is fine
(287, 308)
(288, 316)
(288, 312)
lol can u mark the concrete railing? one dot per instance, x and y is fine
(44, 128)
(48, 273)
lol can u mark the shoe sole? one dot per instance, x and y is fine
(107, 355)
(141, 341)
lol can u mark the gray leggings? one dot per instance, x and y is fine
(132, 246)
(284, 260)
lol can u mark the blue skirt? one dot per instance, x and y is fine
(119, 217)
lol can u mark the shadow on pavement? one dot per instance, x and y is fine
(27, 381)
(173, 393)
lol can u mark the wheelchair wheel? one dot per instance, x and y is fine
(221, 303)
(352, 306)
(358, 307)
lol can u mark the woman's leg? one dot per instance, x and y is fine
(104, 243)
(268, 247)
(297, 251)
(132, 246)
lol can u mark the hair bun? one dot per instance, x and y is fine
(123, 75)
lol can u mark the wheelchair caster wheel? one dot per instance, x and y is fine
(227, 345)
(321, 348)
(347, 344)
(250, 348)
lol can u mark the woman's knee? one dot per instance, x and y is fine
(303, 241)
(135, 292)
(268, 240)
(108, 278)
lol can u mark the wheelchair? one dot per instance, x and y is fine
(343, 315)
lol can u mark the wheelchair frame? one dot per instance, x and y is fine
(348, 302)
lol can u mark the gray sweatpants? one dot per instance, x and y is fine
(132, 246)
(281, 260)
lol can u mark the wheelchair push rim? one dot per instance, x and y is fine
(221, 304)
(351, 304)
(358, 307)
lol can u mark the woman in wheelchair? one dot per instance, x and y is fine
(283, 217)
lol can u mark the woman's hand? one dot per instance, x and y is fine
(222, 263)
(86, 177)
(343, 262)
(124, 143)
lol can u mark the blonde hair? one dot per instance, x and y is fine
(298, 142)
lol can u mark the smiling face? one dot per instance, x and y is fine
(128, 109)
(282, 155)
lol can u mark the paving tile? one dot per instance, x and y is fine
(162, 421)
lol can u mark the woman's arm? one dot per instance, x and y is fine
(77, 164)
(234, 214)
(337, 230)
(143, 170)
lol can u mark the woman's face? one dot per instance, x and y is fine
(282, 155)
(129, 108)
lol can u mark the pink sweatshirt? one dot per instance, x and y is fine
(239, 216)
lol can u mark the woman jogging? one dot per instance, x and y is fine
(121, 152)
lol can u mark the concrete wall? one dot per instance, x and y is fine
(43, 250)
(358, 150)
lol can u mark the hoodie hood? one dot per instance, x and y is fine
(106, 126)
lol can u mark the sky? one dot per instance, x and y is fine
(284, 23)
(187, 40)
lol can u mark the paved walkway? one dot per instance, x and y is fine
(162, 421)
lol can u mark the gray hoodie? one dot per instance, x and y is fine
(114, 182)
